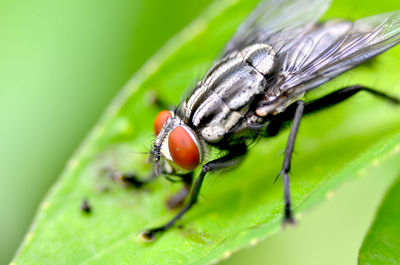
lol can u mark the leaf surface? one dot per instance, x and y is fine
(237, 208)
(382, 243)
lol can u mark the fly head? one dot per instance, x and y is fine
(176, 143)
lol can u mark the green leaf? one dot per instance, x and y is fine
(237, 208)
(382, 243)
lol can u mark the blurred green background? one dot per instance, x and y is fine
(61, 62)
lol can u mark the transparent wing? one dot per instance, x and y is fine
(337, 47)
(281, 19)
(324, 53)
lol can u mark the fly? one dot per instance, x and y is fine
(277, 55)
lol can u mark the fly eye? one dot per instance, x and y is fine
(160, 120)
(183, 149)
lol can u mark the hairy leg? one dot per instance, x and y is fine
(288, 159)
(295, 112)
(329, 100)
(233, 156)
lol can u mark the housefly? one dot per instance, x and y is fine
(277, 55)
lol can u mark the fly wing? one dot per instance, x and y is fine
(337, 47)
(276, 21)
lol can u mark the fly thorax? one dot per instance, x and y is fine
(221, 100)
(261, 56)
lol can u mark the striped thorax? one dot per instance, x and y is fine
(216, 107)
(222, 99)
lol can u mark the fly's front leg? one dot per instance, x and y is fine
(132, 179)
(229, 160)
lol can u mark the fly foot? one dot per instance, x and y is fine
(289, 221)
(151, 234)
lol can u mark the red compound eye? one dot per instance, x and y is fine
(160, 119)
(183, 149)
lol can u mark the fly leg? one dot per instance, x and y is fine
(322, 103)
(288, 158)
(343, 94)
(329, 100)
(297, 110)
(133, 180)
(233, 157)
